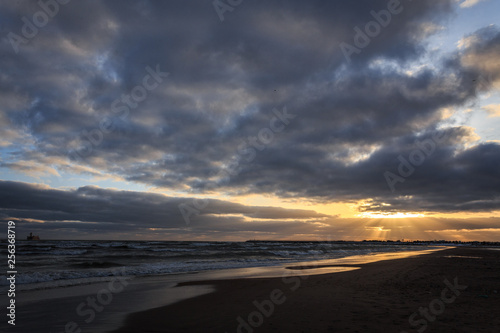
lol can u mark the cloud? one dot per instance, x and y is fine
(470, 3)
(94, 207)
(480, 56)
(493, 110)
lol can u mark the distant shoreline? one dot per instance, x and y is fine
(393, 242)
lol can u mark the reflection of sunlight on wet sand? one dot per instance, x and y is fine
(271, 272)
(309, 267)
(364, 259)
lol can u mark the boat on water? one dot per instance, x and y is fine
(32, 237)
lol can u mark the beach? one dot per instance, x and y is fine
(362, 290)
(454, 290)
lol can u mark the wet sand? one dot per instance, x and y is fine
(455, 290)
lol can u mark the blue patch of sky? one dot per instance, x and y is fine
(467, 21)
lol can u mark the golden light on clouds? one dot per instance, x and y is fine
(493, 110)
(382, 215)
(341, 209)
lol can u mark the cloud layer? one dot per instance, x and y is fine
(91, 212)
(81, 97)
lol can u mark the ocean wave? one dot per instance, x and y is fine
(72, 262)
(68, 252)
(172, 250)
(82, 276)
(95, 264)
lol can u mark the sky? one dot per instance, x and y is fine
(235, 120)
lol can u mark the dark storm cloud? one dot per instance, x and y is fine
(447, 180)
(351, 119)
(135, 209)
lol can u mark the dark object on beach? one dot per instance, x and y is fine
(32, 237)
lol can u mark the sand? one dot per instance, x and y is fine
(455, 290)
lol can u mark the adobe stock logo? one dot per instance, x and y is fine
(247, 152)
(425, 315)
(372, 29)
(120, 108)
(103, 297)
(417, 157)
(40, 19)
(221, 7)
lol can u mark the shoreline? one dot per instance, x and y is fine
(379, 297)
(49, 310)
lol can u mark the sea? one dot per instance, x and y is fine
(49, 264)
